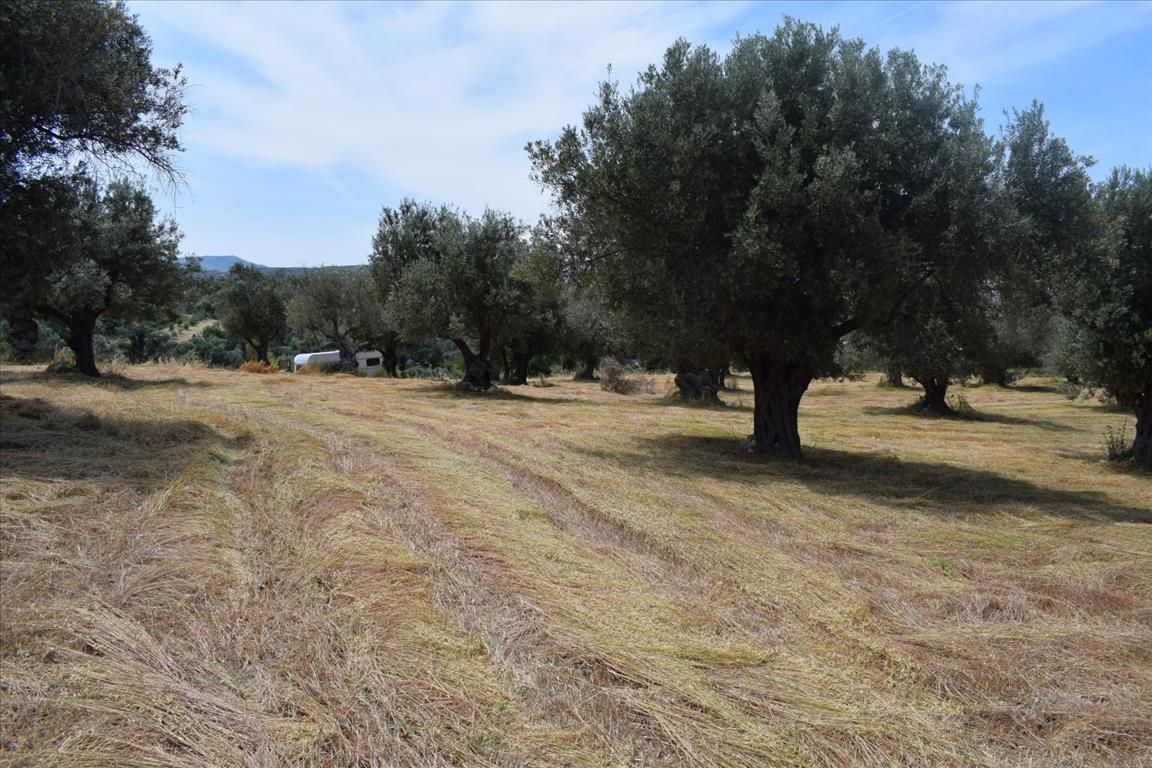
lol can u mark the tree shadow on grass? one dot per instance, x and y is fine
(910, 411)
(935, 488)
(41, 441)
(1052, 388)
(448, 389)
(107, 380)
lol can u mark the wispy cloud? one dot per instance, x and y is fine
(371, 102)
(981, 42)
(437, 100)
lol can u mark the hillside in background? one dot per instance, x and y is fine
(221, 264)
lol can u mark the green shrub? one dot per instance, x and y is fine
(1116, 443)
(210, 347)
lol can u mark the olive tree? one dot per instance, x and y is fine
(768, 203)
(251, 307)
(79, 253)
(404, 234)
(1111, 309)
(450, 276)
(76, 86)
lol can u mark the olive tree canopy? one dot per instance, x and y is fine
(77, 82)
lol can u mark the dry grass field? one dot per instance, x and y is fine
(210, 568)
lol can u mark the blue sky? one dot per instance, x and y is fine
(308, 117)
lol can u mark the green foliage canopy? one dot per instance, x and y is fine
(1111, 308)
(76, 80)
(448, 275)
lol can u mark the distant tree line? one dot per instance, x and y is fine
(801, 207)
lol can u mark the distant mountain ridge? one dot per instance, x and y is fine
(221, 264)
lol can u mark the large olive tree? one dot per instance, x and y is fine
(77, 86)
(775, 200)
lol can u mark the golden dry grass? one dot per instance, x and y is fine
(203, 568)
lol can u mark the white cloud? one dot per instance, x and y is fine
(436, 100)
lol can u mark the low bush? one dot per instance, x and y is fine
(1116, 443)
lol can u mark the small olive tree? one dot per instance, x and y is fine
(251, 307)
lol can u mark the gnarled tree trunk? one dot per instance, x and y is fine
(895, 376)
(391, 355)
(994, 373)
(347, 353)
(479, 372)
(261, 348)
(588, 372)
(935, 395)
(778, 387)
(520, 362)
(81, 336)
(719, 376)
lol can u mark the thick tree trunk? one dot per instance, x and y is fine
(347, 353)
(262, 351)
(520, 362)
(391, 357)
(695, 384)
(1142, 445)
(778, 388)
(720, 376)
(81, 335)
(478, 369)
(588, 372)
(935, 396)
(994, 373)
(895, 376)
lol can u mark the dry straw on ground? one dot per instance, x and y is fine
(203, 568)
